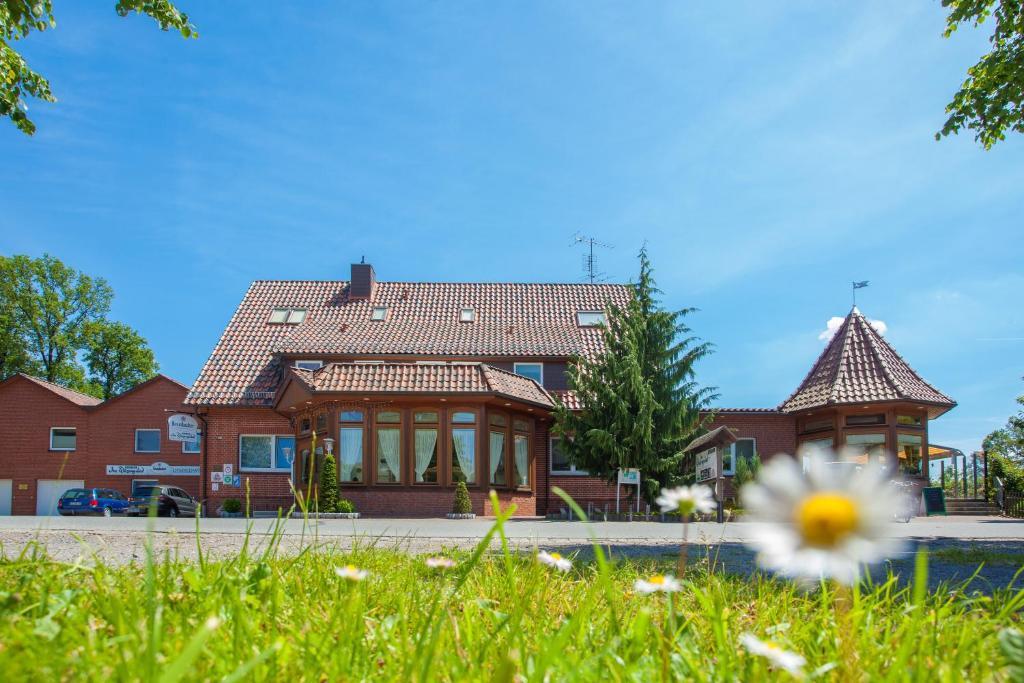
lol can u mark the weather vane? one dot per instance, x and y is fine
(858, 285)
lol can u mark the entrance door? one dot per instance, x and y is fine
(48, 491)
(6, 490)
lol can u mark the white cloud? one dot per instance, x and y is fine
(835, 322)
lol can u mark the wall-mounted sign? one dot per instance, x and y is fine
(216, 477)
(156, 468)
(707, 464)
(181, 427)
(229, 469)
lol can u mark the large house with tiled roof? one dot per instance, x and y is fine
(411, 386)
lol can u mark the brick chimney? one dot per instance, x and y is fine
(363, 281)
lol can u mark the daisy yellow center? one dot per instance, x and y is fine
(350, 568)
(657, 580)
(555, 556)
(825, 519)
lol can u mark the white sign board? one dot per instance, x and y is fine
(629, 476)
(707, 464)
(156, 468)
(181, 427)
(229, 469)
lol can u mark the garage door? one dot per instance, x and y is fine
(5, 496)
(49, 490)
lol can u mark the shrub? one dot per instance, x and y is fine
(345, 505)
(746, 470)
(328, 485)
(462, 504)
(1011, 474)
(232, 505)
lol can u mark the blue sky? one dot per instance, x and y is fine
(767, 155)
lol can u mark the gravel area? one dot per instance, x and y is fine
(951, 560)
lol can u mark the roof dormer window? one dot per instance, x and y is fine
(287, 316)
(379, 313)
(309, 364)
(467, 314)
(590, 318)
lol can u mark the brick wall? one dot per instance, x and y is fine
(105, 436)
(266, 490)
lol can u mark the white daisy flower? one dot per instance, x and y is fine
(554, 560)
(440, 562)
(687, 500)
(659, 583)
(824, 524)
(779, 658)
(351, 573)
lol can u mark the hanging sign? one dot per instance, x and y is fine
(707, 464)
(628, 476)
(181, 427)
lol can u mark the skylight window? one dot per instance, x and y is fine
(379, 313)
(590, 318)
(287, 316)
(467, 314)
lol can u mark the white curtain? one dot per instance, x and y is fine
(497, 456)
(463, 440)
(351, 452)
(521, 444)
(388, 443)
(426, 443)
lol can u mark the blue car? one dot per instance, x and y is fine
(106, 502)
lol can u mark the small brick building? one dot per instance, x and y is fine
(55, 439)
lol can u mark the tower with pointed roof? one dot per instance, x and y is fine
(861, 396)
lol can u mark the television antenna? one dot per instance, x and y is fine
(590, 271)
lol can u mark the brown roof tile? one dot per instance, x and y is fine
(421, 378)
(859, 366)
(75, 397)
(512, 320)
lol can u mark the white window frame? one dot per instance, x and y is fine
(292, 316)
(463, 318)
(732, 455)
(368, 362)
(273, 453)
(579, 319)
(278, 311)
(515, 369)
(299, 364)
(73, 429)
(571, 472)
(293, 313)
(379, 313)
(199, 441)
(159, 435)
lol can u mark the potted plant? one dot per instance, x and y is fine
(462, 507)
(231, 507)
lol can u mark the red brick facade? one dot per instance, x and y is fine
(105, 435)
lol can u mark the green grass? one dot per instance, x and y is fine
(976, 556)
(495, 617)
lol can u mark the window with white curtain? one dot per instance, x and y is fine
(389, 458)
(464, 453)
(350, 452)
(496, 453)
(425, 444)
(521, 446)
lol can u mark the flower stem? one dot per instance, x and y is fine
(683, 550)
(842, 600)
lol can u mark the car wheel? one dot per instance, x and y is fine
(107, 512)
(173, 512)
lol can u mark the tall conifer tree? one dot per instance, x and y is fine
(641, 400)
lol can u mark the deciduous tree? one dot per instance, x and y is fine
(641, 399)
(55, 306)
(991, 100)
(19, 18)
(117, 357)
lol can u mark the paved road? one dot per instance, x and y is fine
(981, 528)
